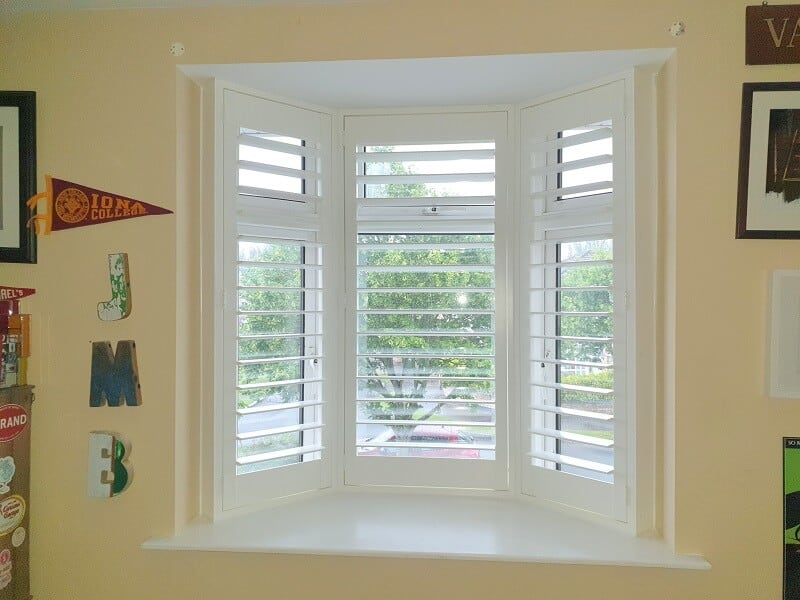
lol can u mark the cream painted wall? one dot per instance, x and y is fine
(107, 93)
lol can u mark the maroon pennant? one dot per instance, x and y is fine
(15, 293)
(71, 205)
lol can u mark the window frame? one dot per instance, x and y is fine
(645, 486)
(230, 108)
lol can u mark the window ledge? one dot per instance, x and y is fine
(427, 526)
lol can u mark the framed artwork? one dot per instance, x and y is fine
(783, 374)
(769, 162)
(17, 175)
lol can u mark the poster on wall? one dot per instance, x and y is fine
(791, 518)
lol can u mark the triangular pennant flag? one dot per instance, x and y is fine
(69, 205)
(15, 293)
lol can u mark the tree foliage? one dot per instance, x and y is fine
(433, 342)
(584, 300)
(596, 321)
(419, 348)
(270, 277)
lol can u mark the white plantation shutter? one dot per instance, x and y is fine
(406, 338)
(439, 267)
(279, 353)
(574, 218)
(275, 185)
(424, 408)
(583, 167)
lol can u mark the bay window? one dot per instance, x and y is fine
(437, 299)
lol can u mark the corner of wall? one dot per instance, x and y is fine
(188, 325)
(667, 281)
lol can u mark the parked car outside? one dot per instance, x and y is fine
(429, 435)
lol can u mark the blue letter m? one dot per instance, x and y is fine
(114, 378)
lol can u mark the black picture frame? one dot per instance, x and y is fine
(768, 203)
(23, 247)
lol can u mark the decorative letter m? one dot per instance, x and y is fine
(115, 378)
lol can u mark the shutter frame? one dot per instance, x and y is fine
(547, 222)
(273, 218)
(380, 213)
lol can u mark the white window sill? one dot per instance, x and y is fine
(427, 526)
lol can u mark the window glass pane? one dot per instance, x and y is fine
(265, 445)
(594, 149)
(278, 364)
(264, 148)
(586, 327)
(271, 324)
(428, 170)
(425, 343)
(270, 372)
(269, 395)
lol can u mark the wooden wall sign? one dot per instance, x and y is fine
(772, 34)
(119, 306)
(108, 473)
(115, 376)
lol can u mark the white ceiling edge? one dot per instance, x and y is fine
(29, 6)
(459, 81)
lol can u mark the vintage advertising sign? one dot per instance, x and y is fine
(791, 518)
(15, 430)
(772, 34)
(13, 420)
(66, 205)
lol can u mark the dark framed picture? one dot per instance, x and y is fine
(17, 175)
(769, 162)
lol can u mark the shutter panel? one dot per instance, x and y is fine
(276, 160)
(572, 350)
(425, 345)
(425, 309)
(573, 152)
(279, 353)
